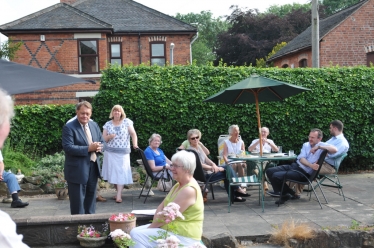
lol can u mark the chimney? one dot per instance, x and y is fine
(68, 1)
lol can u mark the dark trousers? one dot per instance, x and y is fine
(83, 196)
(222, 175)
(276, 175)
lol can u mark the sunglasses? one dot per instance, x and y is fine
(193, 138)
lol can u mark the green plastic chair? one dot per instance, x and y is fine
(333, 179)
(253, 180)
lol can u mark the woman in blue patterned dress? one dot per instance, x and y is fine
(116, 164)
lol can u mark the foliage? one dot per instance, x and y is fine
(261, 63)
(121, 239)
(253, 35)
(39, 126)
(291, 230)
(208, 28)
(333, 6)
(90, 232)
(51, 168)
(283, 10)
(16, 160)
(9, 48)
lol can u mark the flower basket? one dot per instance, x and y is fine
(126, 225)
(61, 193)
(125, 222)
(91, 242)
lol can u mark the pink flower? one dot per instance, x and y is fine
(122, 217)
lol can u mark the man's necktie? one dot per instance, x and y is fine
(89, 138)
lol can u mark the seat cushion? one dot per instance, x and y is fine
(250, 179)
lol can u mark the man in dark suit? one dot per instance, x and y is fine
(81, 141)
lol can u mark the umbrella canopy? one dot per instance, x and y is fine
(17, 78)
(256, 89)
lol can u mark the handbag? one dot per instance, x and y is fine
(164, 184)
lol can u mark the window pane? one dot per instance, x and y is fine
(158, 50)
(160, 62)
(116, 61)
(87, 47)
(115, 50)
(88, 64)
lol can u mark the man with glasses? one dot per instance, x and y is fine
(306, 162)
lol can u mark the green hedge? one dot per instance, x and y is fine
(39, 127)
(169, 101)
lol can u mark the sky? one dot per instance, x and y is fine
(11, 10)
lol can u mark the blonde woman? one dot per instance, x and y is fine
(116, 165)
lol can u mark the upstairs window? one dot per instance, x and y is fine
(303, 63)
(88, 56)
(158, 56)
(116, 53)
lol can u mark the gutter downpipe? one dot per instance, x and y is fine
(194, 39)
(140, 52)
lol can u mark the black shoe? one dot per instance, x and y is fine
(295, 197)
(242, 194)
(19, 204)
(237, 199)
(273, 194)
(283, 199)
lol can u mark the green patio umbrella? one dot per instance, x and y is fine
(256, 89)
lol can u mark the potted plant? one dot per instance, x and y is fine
(125, 222)
(121, 239)
(61, 189)
(89, 237)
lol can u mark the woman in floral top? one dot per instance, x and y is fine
(116, 164)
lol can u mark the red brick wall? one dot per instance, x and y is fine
(294, 59)
(59, 53)
(344, 45)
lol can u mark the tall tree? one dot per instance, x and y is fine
(253, 35)
(333, 6)
(9, 48)
(261, 63)
(208, 28)
(283, 10)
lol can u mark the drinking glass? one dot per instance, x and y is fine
(279, 149)
(291, 153)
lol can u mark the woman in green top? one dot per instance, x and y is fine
(187, 194)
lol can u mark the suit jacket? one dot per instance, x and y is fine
(75, 145)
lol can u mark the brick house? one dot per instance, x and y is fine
(346, 39)
(80, 38)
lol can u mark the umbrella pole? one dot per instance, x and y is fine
(258, 122)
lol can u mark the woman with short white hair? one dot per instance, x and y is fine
(234, 146)
(187, 194)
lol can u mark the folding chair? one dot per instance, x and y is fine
(199, 174)
(333, 178)
(310, 180)
(249, 180)
(149, 171)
